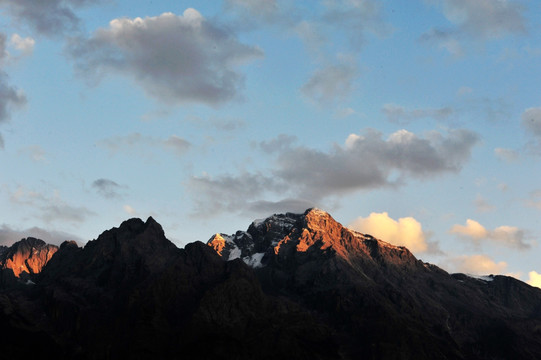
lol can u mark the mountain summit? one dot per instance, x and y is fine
(292, 286)
(281, 237)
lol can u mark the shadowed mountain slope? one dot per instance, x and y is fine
(295, 286)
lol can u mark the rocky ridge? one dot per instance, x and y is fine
(291, 286)
(27, 257)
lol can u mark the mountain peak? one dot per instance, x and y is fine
(28, 256)
(281, 237)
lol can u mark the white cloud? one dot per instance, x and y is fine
(477, 265)
(405, 231)
(175, 58)
(534, 279)
(509, 236)
(24, 45)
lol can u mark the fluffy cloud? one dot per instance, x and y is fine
(509, 236)
(8, 235)
(400, 114)
(369, 161)
(24, 45)
(534, 279)
(49, 17)
(175, 58)
(135, 141)
(405, 231)
(366, 161)
(477, 264)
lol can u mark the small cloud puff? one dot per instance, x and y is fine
(534, 279)
(405, 231)
(509, 236)
(24, 45)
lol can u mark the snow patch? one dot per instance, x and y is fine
(481, 277)
(254, 260)
(234, 253)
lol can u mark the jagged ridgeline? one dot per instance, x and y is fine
(292, 286)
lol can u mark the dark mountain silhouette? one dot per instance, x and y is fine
(293, 286)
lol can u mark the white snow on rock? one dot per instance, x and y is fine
(234, 253)
(481, 277)
(254, 260)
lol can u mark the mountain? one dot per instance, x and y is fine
(26, 258)
(379, 299)
(293, 286)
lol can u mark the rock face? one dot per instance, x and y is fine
(293, 286)
(27, 257)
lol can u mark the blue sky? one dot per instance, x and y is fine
(418, 122)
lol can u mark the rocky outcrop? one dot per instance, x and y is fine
(27, 257)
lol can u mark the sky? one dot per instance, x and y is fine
(418, 122)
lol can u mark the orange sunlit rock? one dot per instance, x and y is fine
(217, 243)
(28, 256)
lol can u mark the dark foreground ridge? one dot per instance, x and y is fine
(292, 286)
